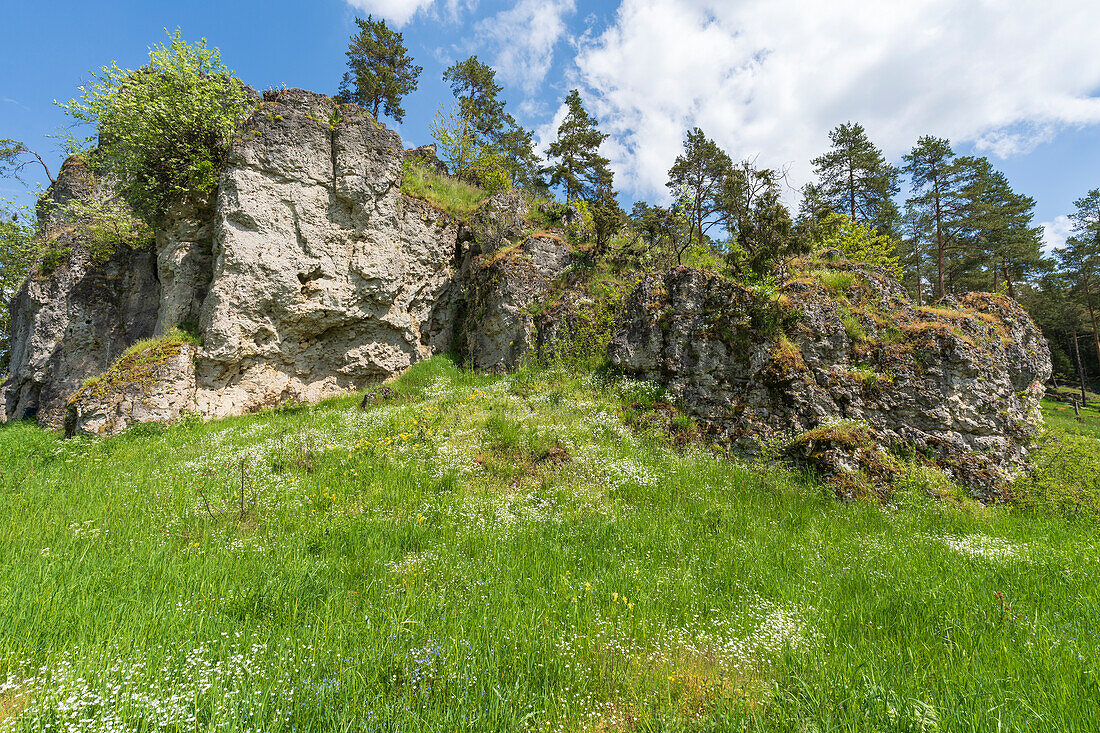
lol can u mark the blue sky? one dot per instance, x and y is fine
(766, 78)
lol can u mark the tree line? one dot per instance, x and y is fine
(962, 227)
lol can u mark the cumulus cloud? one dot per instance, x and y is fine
(772, 77)
(400, 12)
(524, 37)
(1055, 233)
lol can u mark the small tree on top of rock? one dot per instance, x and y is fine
(164, 129)
(700, 171)
(577, 150)
(860, 242)
(856, 179)
(380, 70)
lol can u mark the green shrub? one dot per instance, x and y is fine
(1064, 477)
(164, 129)
(860, 243)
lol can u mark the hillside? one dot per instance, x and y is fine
(536, 551)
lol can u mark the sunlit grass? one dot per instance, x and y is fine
(456, 197)
(502, 553)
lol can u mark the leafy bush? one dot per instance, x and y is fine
(1064, 477)
(165, 128)
(860, 242)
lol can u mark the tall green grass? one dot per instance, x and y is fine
(500, 553)
(456, 197)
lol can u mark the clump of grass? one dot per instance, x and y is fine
(787, 357)
(869, 377)
(456, 197)
(853, 327)
(837, 282)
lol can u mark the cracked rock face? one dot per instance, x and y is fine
(71, 323)
(959, 385)
(324, 275)
(307, 274)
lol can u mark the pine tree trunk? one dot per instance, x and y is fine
(939, 238)
(1008, 280)
(916, 248)
(1092, 316)
(1080, 369)
(852, 191)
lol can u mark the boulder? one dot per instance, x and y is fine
(153, 382)
(838, 360)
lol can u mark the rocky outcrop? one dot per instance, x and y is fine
(325, 277)
(839, 349)
(306, 274)
(74, 316)
(496, 322)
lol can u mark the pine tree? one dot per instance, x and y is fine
(934, 179)
(700, 171)
(998, 227)
(856, 179)
(577, 150)
(475, 87)
(380, 70)
(1080, 258)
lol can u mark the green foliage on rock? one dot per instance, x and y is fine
(164, 129)
(137, 366)
(860, 242)
(380, 70)
(454, 196)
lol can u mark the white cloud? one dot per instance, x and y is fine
(524, 38)
(1055, 233)
(772, 77)
(398, 12)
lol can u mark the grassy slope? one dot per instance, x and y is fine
(500, 553)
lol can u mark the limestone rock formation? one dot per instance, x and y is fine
(839, 359)
(154, 383)
(306, 274)
(496, 322)
(73, 317)
(324, 275)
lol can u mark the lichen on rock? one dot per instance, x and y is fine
(958, 386)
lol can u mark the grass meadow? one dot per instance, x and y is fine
(503, 553)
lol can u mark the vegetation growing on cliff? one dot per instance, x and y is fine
(452, 195)
(164, 129)
(138, 365)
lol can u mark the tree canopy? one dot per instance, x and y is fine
(164, 129)
(855, 178)
(579, 164)
(700, 170)
(380, 71)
